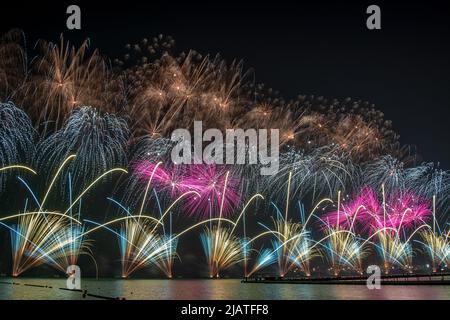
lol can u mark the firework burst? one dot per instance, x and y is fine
(222, 249)
(437, 248)
(99, 140)
(64, 78)
(140, 246)
(17, 138)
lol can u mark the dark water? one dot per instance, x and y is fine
(212, 289)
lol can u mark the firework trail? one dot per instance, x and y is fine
(222, 249)
(436, 243)
(293, 246)
(140, 247)
(436, 247)
(220, 245)
(49, 237)
(296, 253)
(140, 240)
(63, 78)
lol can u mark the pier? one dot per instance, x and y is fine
(395, 279)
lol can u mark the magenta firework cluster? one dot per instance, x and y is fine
(209, 181)
(370, 213)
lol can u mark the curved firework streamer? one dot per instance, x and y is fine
(61, 215)
(29, 190)
(18, 167)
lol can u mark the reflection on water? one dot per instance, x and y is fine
(212, 289)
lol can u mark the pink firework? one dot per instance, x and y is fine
(358, 212)
(210, 181)
(404, 211)
(401, 210)
(167, 180)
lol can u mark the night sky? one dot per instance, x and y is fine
(321, 49)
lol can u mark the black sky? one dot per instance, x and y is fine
(323, 49)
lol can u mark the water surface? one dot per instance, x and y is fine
(211, 289)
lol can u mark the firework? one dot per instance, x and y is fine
(344, 251)
(428, 181)
(64, 78)
(140, 241)
(222, 249)
(399, 210)
(394, 252)
(293, 246)
(46, 237)
(318, 174)
(171, 180)
(32, 238)
(218, 189)
(140, 246)
(436, 243)
(437, 248)
(387, 171)
(295, 253)
(209, 181)
(172, 89)
(17, 138)
(98, 140)
(387, 220)
(344, 248)
(352, 213)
